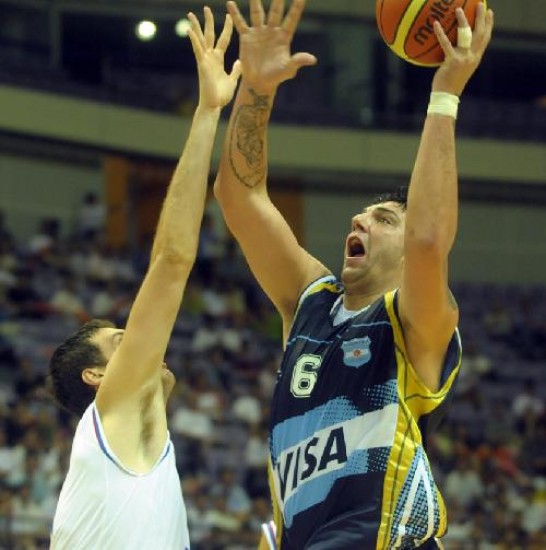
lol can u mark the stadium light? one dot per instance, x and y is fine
(181, 28)
(146, 30)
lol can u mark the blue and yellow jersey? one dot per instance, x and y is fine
(349, 423)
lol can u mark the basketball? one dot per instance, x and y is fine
(407, 26)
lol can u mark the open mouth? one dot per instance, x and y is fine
(355, 248)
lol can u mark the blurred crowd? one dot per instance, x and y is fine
(488, 457)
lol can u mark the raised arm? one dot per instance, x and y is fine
(428, 310)
(280, 265)
(136, 366)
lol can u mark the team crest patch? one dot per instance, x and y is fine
(357, 352)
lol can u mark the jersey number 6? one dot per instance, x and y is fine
(305, 374)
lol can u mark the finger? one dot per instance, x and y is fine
(209, 27)
(196, 27)
(464, 32)
(225, 37)
(238, 19)
(464, 37)
(293, 17)
(276, 12)
(257, 16)
(483, 37)
(236, 71)
(479, 23)
(196, 45)
(302, 59)
(461, 17)
(489, 24)
(443, 40)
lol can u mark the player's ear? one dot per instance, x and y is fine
(92, 376)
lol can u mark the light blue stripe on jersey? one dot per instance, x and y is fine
(294, 430)
(338, 336)
(307, 339)
(316, 490)
(99, 437)
(367, 325)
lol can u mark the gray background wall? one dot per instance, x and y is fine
(31, 189)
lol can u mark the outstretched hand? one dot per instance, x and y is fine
(461, 61)
(216, 86)
(265, 44)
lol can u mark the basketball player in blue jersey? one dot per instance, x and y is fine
(122, 490)
(370, 359)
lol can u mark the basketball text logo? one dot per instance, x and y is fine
(438, 11)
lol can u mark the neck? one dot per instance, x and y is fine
(354, 302)
(362, 292)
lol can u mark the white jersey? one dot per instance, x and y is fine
(105, 506)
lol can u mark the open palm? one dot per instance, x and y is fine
(265, 45)
(216, 86)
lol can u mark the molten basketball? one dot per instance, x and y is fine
(407, 26)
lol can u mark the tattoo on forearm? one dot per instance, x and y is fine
(247, 139)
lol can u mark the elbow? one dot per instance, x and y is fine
(230, 205)
(219, 190)
(175, 260)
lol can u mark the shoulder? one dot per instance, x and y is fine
(328, 285)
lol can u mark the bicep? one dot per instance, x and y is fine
(425, 298)
(428, 311)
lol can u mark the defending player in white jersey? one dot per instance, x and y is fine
(122, 489)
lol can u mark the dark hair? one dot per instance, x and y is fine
(399, 195)
(67, 364)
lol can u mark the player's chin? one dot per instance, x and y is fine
(353, 267)
(355, 261)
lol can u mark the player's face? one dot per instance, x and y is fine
(109, 339)
(375, 245)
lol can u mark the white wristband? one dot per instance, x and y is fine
(442, 103)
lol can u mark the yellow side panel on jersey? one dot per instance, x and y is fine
(414, 392)
(415, 400)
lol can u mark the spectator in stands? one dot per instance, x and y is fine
(66, 301)
(25, 299)
(463, 484)
(91, 216)
(8, 263)
(6, 236)
(198, 506)
(237, 501)
(46, 239)
(532, 455)
(527, 407)
(498, 320)
(210, 249)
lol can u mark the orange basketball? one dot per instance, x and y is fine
(407, 26)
